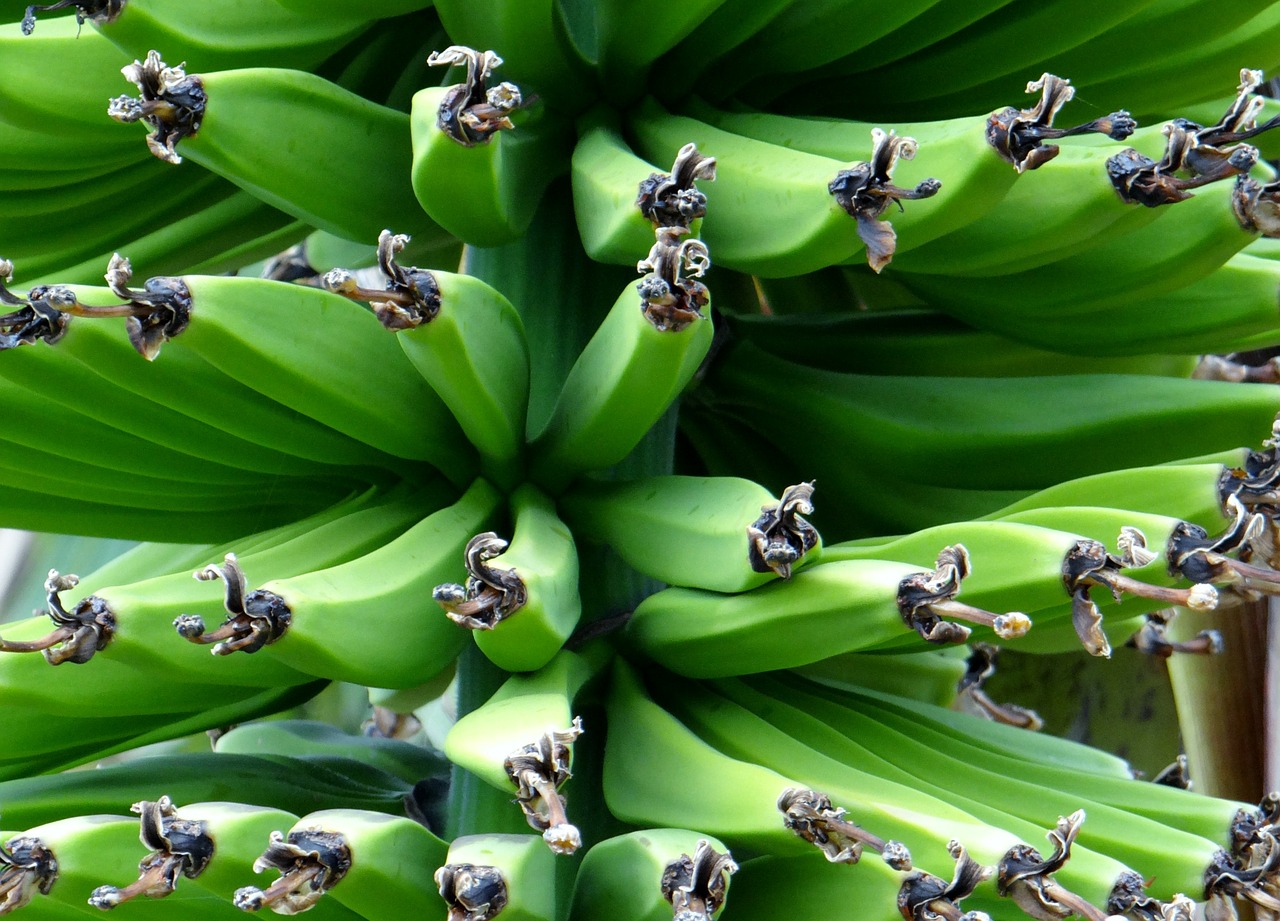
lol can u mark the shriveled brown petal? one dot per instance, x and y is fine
(491, 593)
(472, 893)
(473, 111)
(780, 536)
(254, 618)
(696, 886)
(311, 862)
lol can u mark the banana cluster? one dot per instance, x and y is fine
(420, 386)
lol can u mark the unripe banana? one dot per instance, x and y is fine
(372, 605)
(724, 534)
(493, 875)
(365, 861)
(522, 608)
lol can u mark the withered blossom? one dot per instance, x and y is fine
(925, 598)
(1019, 135)
(671, 297)
(1223, 368)
(672, 199)
(254, 618)
(980, 666)
(311, 862)
(179, 847)
(1250, 874)
(170, 103)
(780, 536)
(538, 770)
(472, 112)
(1195, 555)
(1138, 179)
(78, 634)
(925, 897)
(472, 893)
(696, 886)
(98, 12)
(1152, 638)
(811, 816)
(1026, 876)
(27, 867)
(866, 191)
(1175, 774)
(411, 296)
(1128, 898)
(491, 593)
(37, 318)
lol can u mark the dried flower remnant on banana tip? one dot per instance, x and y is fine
(866, 191)
(78, 634)
(1089, 564)
(98, 12)
(1248, 872)
(472, 112)
(178, 847)
(780, 537)
(1152, 638)
(1026, 876)
(1193, 554)
(169, 102)
(1019, 135)
(925, 897)
(696, 886)
(27, 867)
(310, 861)
(973, 698)
(1128, 899)
(538, 770)
(925, 598)
(491, 593)
(254, 618)
(39, 317)
(1175, 774)
(812, 816)
(410, 297)
(473, 893)
(672, 199)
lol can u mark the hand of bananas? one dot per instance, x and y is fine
(352, 334)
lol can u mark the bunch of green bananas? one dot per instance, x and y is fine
(686, 570)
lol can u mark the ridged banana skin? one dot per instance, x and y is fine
(528, 867)
(930, 675)
(474, 355)
(371, 620)
(825, 610)
(809, 886)
(392, 862)
(543, 554)
(627, 376)
(682, 530)
(355, 180)
(1174, 856)
(619, 877)
(522, 709)
(485, 195)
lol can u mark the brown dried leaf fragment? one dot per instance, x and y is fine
(672, 199)
(311, 862)
(179, 847)
(696, 886)
(472, 112)
(473, 893)
(778, 539)
(254, 618)
(1026, 876)
(1019, 135)
(866, 190)
(925, 897)
(491, 593)
(925, 598)
(538, 770)
(27, 867)
(170, 103)
(811, 816)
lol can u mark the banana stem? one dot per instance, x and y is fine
(155, 882)
(45, 642)
(1006, 626)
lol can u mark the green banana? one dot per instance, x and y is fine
(481, 162)
(637, 876)
(723, 534)
(522, 609)
(311, 621)
(930, 675)
(362, 860)
(468, 343)
(354, 194)
(491, 874)
(636, 364)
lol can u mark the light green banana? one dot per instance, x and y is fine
(522, 609)
(468, 343)
(627, 876)
(360, 188)
(483, 156)
(723, 534)
(636, 364)
(930, 675)
(313, 621)
(494, 874)
(362, 860)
